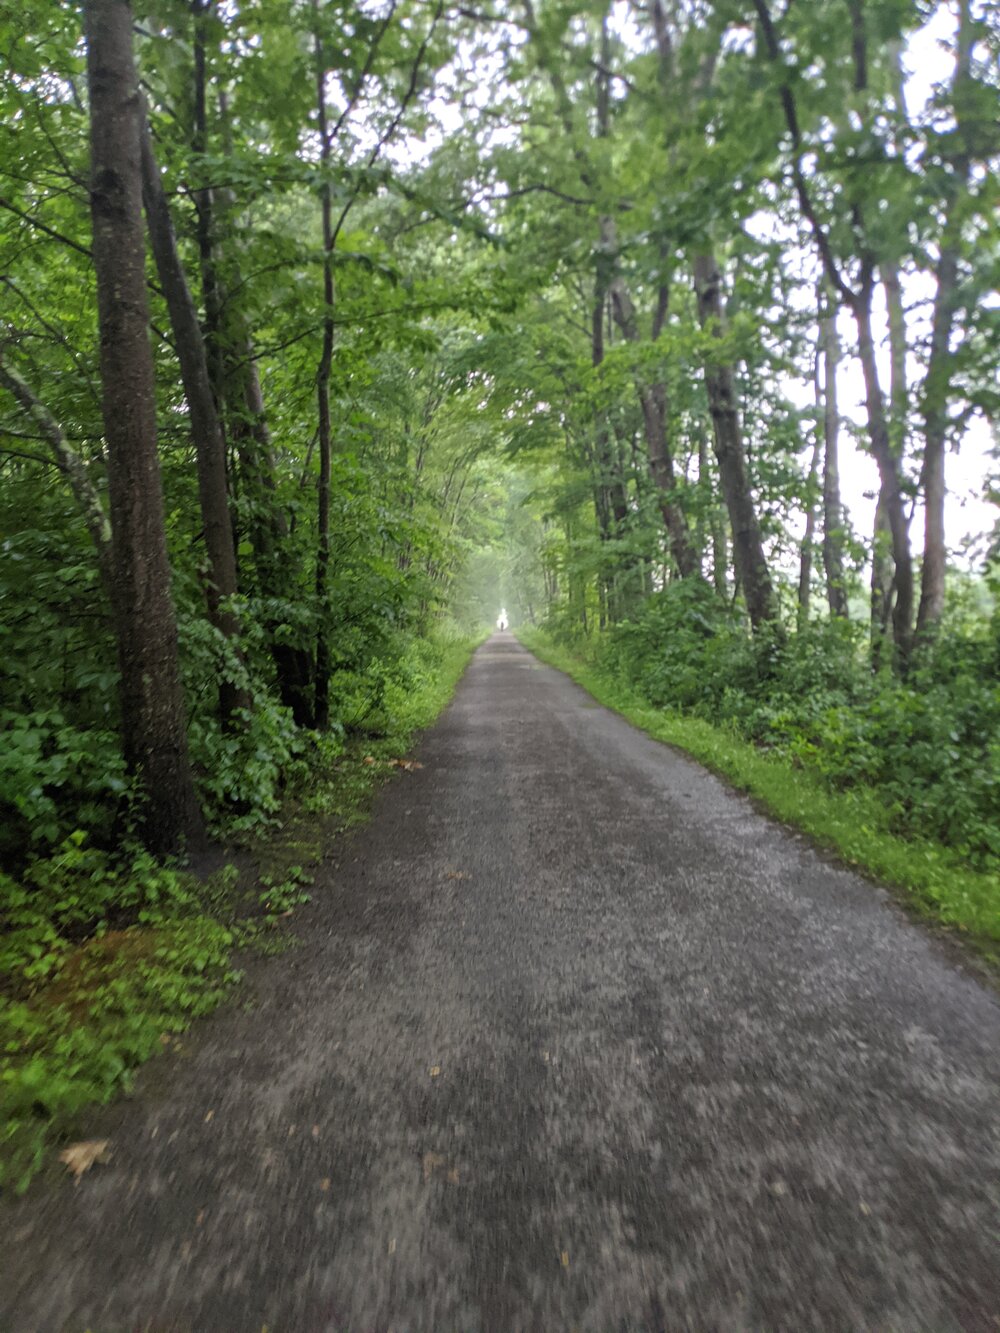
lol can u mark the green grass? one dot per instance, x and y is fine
(852, 824)
(105, 962)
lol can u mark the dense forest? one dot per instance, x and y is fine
(328, 329)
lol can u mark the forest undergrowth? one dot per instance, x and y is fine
(899, 777)
(108, 955)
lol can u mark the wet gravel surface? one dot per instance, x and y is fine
(574, 1039)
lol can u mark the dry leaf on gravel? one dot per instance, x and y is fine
(80, 1157)
(432, 1162)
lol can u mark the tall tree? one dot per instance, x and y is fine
(206, 425)
(957, 166)
(723, 402)
(321, 703)
(152, 706)
(858, 296)
(833, 510)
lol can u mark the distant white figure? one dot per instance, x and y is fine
(502, 621)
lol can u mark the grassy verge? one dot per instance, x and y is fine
(850, 823)
(105, 961)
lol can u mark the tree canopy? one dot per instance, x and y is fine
(325, 324)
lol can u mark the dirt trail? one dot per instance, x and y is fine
(574, 1039)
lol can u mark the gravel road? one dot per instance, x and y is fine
(574, 1039)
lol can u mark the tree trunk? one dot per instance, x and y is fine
(204, 198)
(935, 414)
(613, 512)
(321, 705)
(833, 510)
(154, 732)
(883, 585)
(883, 561)
(653, 401)
(206, 428)
(720, 382)
(934, 407)
(890, 476)
(809, 538)
(250, 438)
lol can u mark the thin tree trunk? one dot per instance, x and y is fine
(833, 510)
(890, 476)
(250, 438)
(935, 415)
(204, 198)
(73, 468)
(883, 561)
(206, 428)
(934, 406)
(321, 707)
(720, 382)
(883, 584)
(720, 551)
(613, 510)
(809, 538)
(653, 401)
(859, 301)
(154, 734)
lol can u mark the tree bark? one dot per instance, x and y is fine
(720, 382)
(249, 436)
(321, 705)
(859, 302)
(934, 405)
(653, 401)
(935, 415)
(890, 476)
(833, 510)
(154, 732)
(204, 199)
(883, 584)
(809, 537)
(206, 428)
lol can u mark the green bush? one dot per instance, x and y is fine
(55, 777)
(930, 744)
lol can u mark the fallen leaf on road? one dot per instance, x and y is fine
(435, 1071)
(80, 1157)
(407, 765)
(324, 1184)
(564, 1258)
(208, 1116)
(432, 1161)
